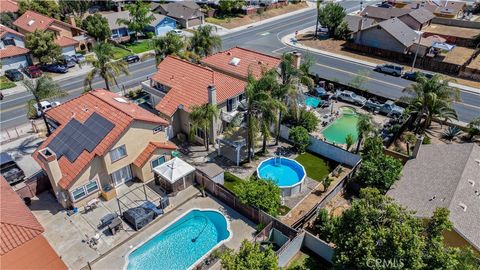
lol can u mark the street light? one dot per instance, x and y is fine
(416, 51)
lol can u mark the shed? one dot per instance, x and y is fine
(212, 171)
(174, 175)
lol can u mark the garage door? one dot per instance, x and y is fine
(15, 62)
(70, 50)
(194, 22)
(163, 30)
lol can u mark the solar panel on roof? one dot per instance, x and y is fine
(76, 137)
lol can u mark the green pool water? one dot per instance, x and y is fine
(338, 130)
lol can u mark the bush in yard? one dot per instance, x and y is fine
(324, 225)
(331, 16)
(250, 256)
(326, 182)
(342, 31)
(42, 46)
(263, 194)
(301, 139)
(308, 120)
(31, 111)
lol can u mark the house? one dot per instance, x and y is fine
(13, 53)
(9, 6)
(22, 245)
(391, 35)
(416, 19)
(238, 62)
(187, 13)
(355, 22)
(425, 44)
(444, 176)
(178, 85)
(160, 25)
(69, 37)
(101, 140)
(445, 8)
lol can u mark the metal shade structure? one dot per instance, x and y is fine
(174, 170)
(443, 46)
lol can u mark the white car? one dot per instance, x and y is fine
(46, 105)
(351, 97)
(177, 31)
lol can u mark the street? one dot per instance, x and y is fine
(265, 38)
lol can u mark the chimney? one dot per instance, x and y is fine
(212, 99)
(71, 20)
(297, 59)
(52, 168)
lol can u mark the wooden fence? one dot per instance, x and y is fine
(34, 185)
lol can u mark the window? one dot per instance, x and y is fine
(85, 190)
(8, 42)
(157, 129)
(229, 105)
(158, 161)
(121, 176)
(199, 133)
(118, 153)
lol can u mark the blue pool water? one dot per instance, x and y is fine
(182, 243)
(312, 102)
(285, 172)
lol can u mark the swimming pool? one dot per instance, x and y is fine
(287, 173)
(182, 244)
(340, 128)
(312, 101)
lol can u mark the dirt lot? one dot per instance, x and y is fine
(475, 64)
(241, 20)
(459, 55)
(452, 31)
(335, 46)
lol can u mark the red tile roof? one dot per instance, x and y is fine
(10, 51)
(66, 41)
(109, 105)
(188, 84)
(249, 60)
(148, 151)
(31, 21)
(9, 6)
(4, 30)
(17, 223)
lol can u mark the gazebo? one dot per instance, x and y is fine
(174, 175)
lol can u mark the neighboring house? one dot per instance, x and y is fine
(238, 62)
(178, 85)
(445, 176)
(67, 35)
(445, 8)
(426, 44)
(391, 35)
(161, 25)
(13, 53)
(416, 19)
(356, 22)
(100, 142)
(22, 245)
(9, 6)
(187, 13)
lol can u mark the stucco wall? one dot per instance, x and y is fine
(18, 40)
(64, 30)
(379, 38)
(411, 22)
(291, 250)
(318, 246)
(146, 173)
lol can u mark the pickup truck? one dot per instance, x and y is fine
(388, 108)
(10, 170)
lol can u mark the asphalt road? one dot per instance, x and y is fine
(264, 38)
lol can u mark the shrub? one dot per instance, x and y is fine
(326, 182)
(308, 120)
(324, 225)
(451, 133)
(149, 35)
(31, 111)
(301, 139)
(263, 194)
(427, 140)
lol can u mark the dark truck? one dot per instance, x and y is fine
(10, 170)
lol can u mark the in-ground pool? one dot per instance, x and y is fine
(340, 128)
(287, 173)
(182, 243)
(312, 102)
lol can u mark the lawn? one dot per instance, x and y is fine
(137, 47)
(307, 261)
(231, 180)
(316, 167)
(5, 83)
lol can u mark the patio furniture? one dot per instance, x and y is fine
(106, 220)
(115, 225)
(91, 205)
(151, 206)
(138, 217)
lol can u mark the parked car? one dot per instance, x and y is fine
(131, 58)
(412, 75)
(10, 169)
(391, 69)
(372, 104)
(46, 105)
(177, 31)
(349, 96)
(322, 93)
(13, 75)
(388, 108)
(68, 61)
(55, 68)
(79, 58)
(33, 71)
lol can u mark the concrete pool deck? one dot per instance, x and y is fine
(241, 228)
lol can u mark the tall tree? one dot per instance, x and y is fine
(49, 8)
(41, 89)
(331, 16)
(170, 44)
(203, 117)
(7, 19)
(263, 194)
(204, 42)
(364, 128)
(227, 6)
(77, 7)
(432, 98)
(104, 66)
(140, 17)
(250, 256)
(97, 26)
(42, 46)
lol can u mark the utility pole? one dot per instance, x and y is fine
(416, 50)
(319, 2)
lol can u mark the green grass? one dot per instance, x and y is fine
(217, 20)
(316, 167)
(119, 53)
(5, 83)
(231, 180)
(283, 210)
(308, 261)
(138, 47)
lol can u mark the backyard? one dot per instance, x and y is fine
(132, 48)
(306, 260)
(5, 83)
(316, 167)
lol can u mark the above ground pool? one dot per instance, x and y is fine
(312, 102)
(181, 244)
(286, 173)
(340, 128)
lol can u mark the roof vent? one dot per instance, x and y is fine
(85, 108)
(433, 198)
(30, 22)
(471, 182)
(121, 100)
(463, 206)
(478, 161)
(229, 53)
(235, 61)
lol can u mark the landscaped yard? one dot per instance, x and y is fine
(231, 181)
(137, 47)
(5, 83)
(316, 167)
(305, 260)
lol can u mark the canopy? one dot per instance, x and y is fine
(174, 170)
(443, 46)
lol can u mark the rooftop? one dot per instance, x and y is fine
(181, 10)
(399, 30)
(31, 21)
(112, 18)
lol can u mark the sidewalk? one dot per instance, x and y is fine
(291, 41)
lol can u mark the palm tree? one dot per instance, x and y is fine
(170, 44)
(364, 128)
(432, 98)
(409, 138)
(204, 42)
(202, 117)
(41, 89)
(103, 66)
